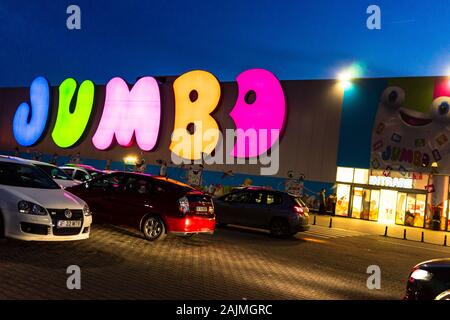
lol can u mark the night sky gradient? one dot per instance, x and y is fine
(293, 39)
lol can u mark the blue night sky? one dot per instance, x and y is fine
(293, 39)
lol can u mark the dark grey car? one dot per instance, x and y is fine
(281, 213)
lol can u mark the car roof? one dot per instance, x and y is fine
(81, 166)
(73, 168)
(11, 159)
(25, 161)
(35, 162)
(160, 178)
(257, 188)
(444, 262)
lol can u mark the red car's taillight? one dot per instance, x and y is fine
(298, 210)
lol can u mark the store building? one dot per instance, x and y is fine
(382, 145)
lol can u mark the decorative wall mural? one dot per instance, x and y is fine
(412, 127)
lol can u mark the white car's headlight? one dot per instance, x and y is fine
(420, 274)
(86, 210)
(27, 207)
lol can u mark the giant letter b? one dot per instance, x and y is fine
(197, 94)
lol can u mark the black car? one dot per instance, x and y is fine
(429, 280)
(281, 213)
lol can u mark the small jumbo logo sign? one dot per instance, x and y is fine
(68, 214)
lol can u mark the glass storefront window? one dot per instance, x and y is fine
(448, 215)
(410, 211)
(419, 213)
(361, 176)
(445, 217)
(343, 199)
(357, 202)
(365, 213)
(374, 204)
(401, 208)
(344, 174)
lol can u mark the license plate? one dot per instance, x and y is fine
(201, 209)
(68, 224)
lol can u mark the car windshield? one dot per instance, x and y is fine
(26, 176)
(54, 172)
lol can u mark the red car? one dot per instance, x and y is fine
(154, 205)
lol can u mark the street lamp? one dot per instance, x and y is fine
(345, 79)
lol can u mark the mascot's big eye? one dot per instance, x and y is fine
(441, 108)
(393, 97)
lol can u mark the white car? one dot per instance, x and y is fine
(34, 207)
(60, 177)
(80, 172)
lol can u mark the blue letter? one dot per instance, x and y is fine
(28, 129)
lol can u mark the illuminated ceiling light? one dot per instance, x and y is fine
(130, 159)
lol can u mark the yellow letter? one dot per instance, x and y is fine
(197, 94)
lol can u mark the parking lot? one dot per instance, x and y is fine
(234, 263)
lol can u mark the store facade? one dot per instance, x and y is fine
(383, 145)
(407, 199)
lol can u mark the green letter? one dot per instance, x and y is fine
(70, 126)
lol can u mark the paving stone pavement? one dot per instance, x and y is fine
(117, 263)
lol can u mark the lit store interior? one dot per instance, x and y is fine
(402, 198)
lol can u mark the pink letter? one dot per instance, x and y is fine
(261, 108)
(130, 112)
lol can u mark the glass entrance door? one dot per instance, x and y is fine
(388, 206)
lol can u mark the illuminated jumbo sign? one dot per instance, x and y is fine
(266, 114)
(126, 112)
(136, 113)
(29, 121)
(383, 181)
(195, 109)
